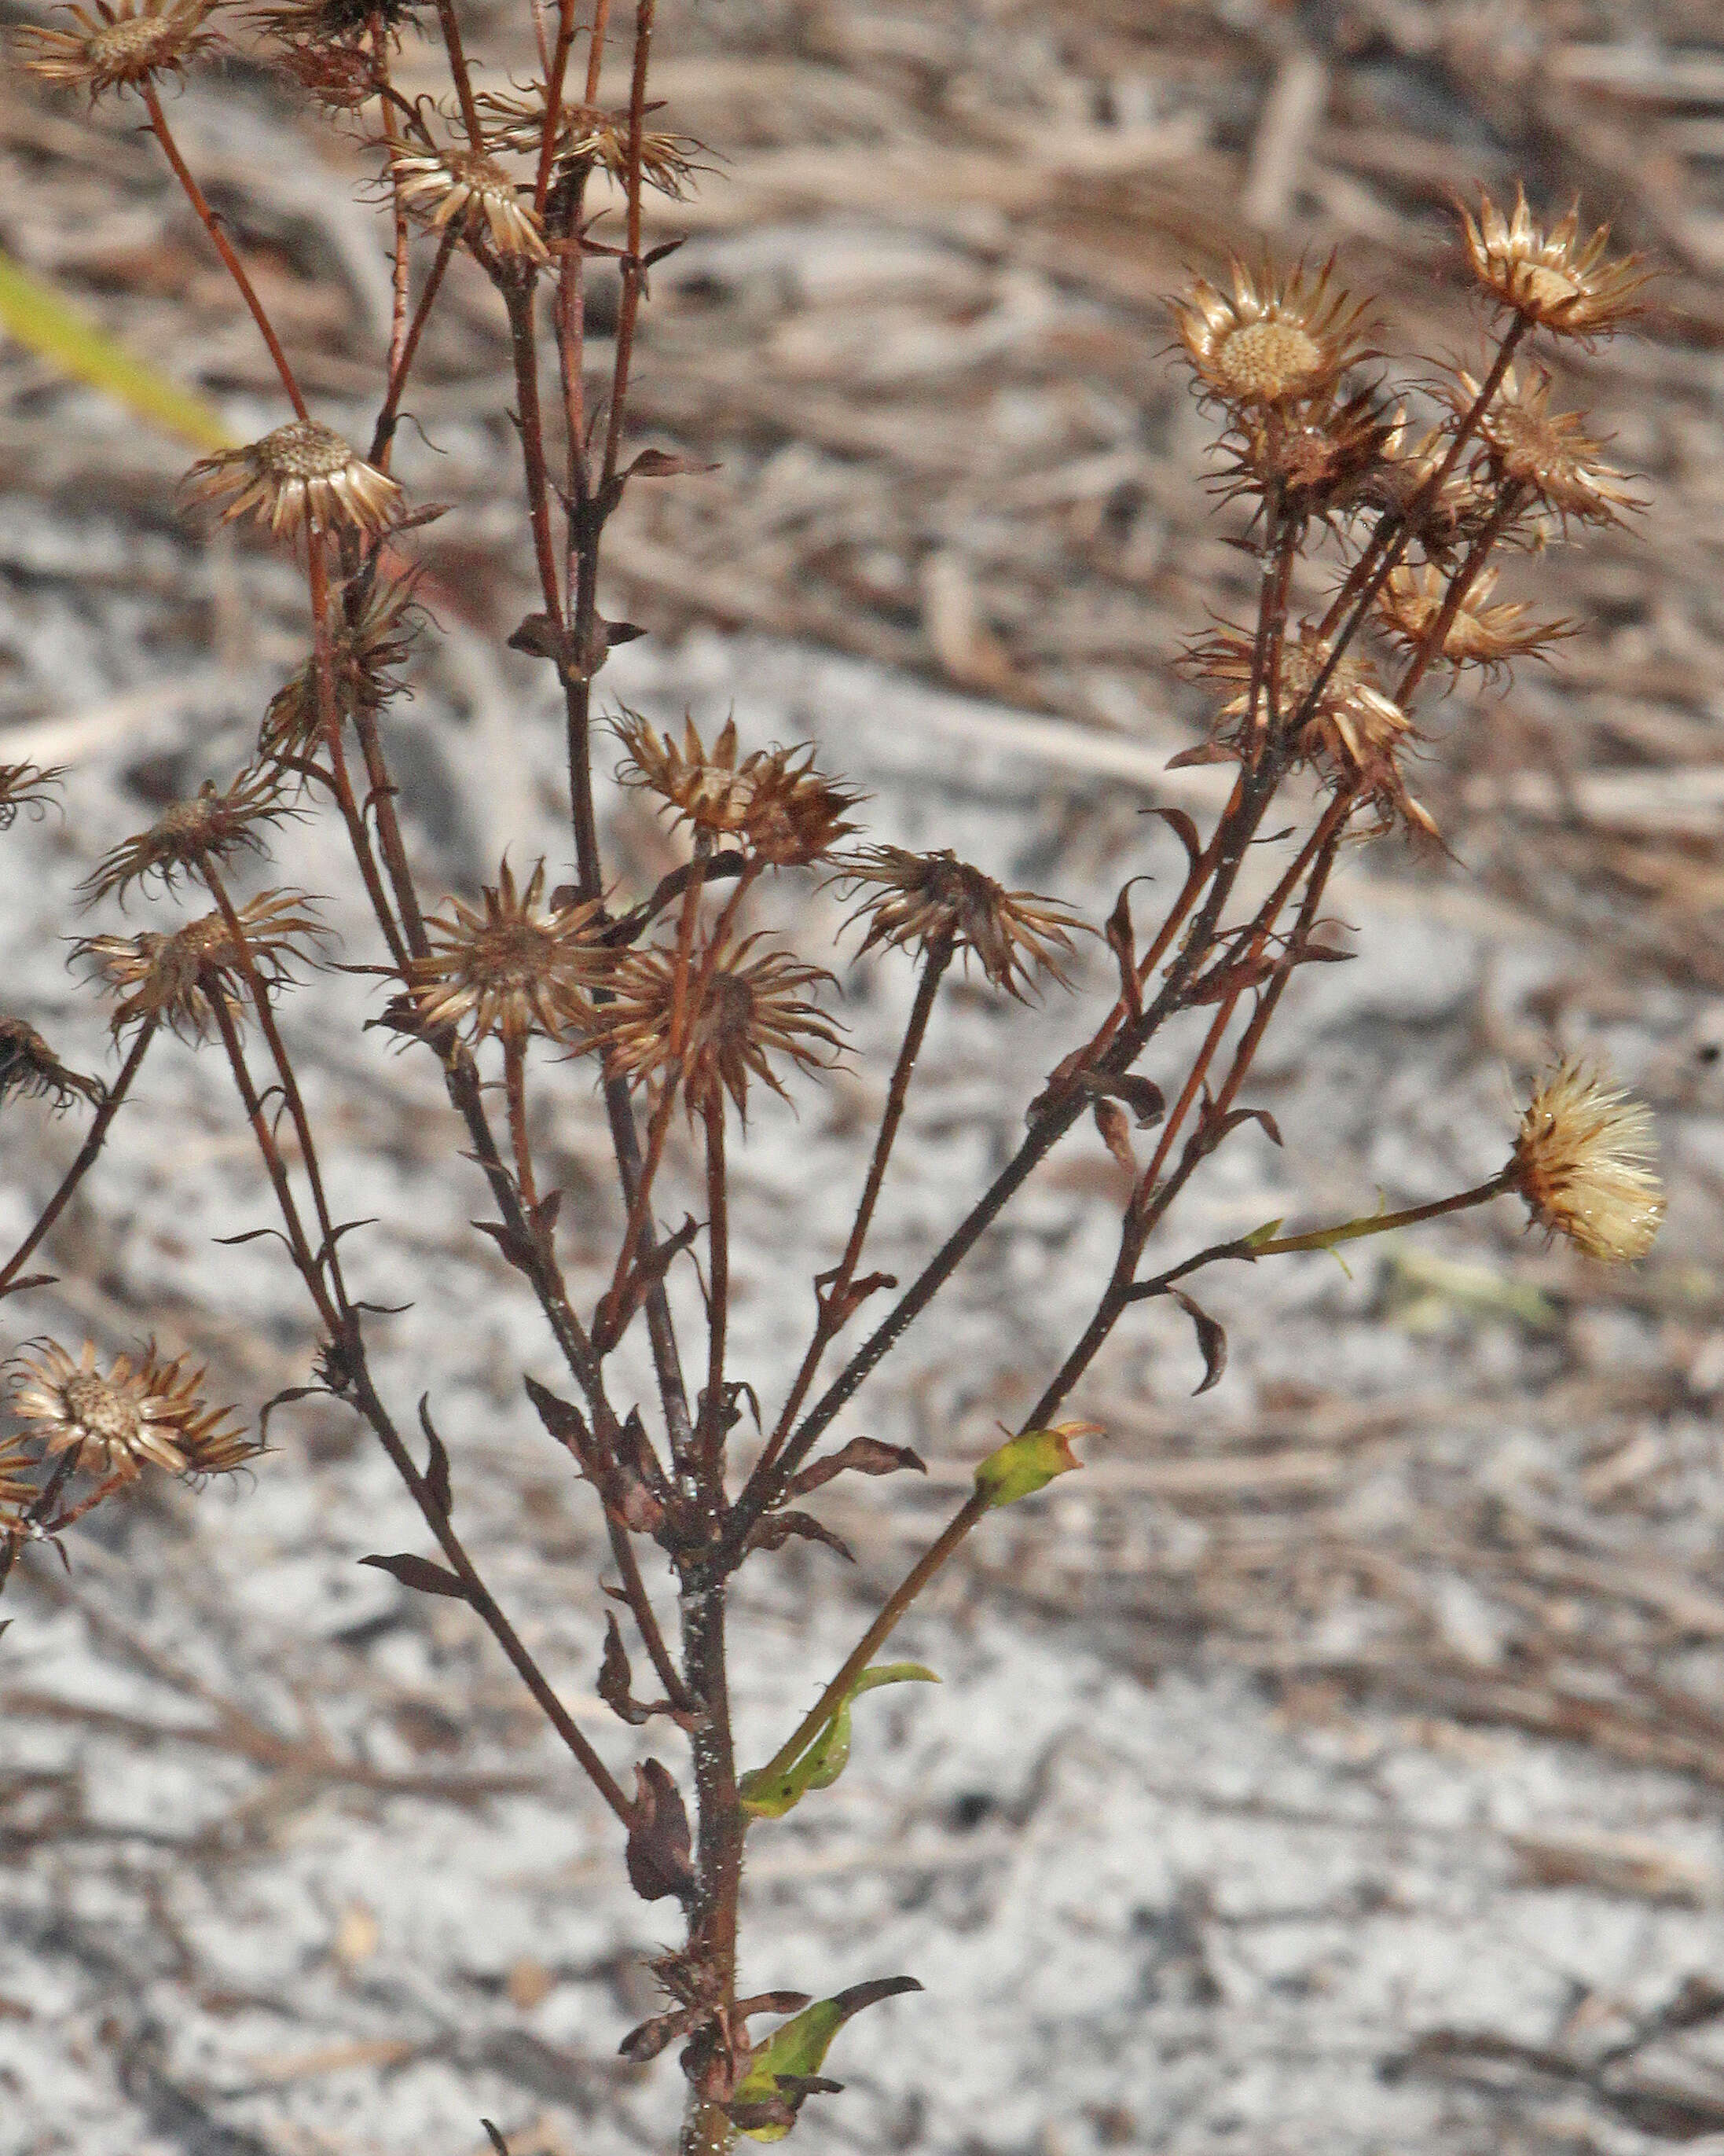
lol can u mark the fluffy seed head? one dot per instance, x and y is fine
(447, 185)
(119, 47)
(772, 800)
(926, 900)
(212, 826)
(1585, 1164)
(178, 979)
(1548, 454)
(1271, 341)
(507, 968)
(141, 1411)
(302, 479)
(1479, 634)
(1553, 279)
(29, 1068)
(26, 786)
(735, 1009)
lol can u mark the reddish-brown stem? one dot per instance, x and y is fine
(461, 74)
(515, 1089)
(524, 348)
(405, 351)
(555, 71)
(833, 1312)
(212, 224)
(710, 1442)
(87, 1152)
(1436, 634)
(633, 271)
(595, 49)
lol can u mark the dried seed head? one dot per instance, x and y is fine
(302, 478)
(122, 46)
(1272, 341)
(365, 652)
(509, 969)
(1547, 454)
(211, 826)
(29, 1068)
(447, 185)
(1585, 1164)
(1315, 460)
(27, 786)
(587, 136)
(1353, 734)
(1552, 279)
(177, 978)
(733, 1012)
(927, 900)
(773, 801)
(342, 77)
(1479, 634)
(143, 1411)
(1445, 519)
(329, 23)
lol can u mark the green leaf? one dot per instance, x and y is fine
(1266, 1234)
(1023, 1465)
(797, 2051)
(767, 1795)
(33, 314)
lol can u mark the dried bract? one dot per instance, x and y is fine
(773, 801)
(1585, 1163)
(175, 979)
(1547, 454)
(1271, 341)
(926, 900)
(141, 1412)
(509, 968)
(119, 47)
(1444, 519)
(365, 649)
(588, 137)
(1554, 280)
(18, 1482)
(445, 186)
(1479, 634)
(1314, 462)
(329, 23)
(213, 826)
(302, 479)
(715, 1025)
(30, 1068)
(27, 786)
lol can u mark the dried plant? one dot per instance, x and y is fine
(676, 1002)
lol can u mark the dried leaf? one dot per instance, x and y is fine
(658, 1856)
(1116, 1128)
(437, 1474)
(862, 1455)
(420, 1573)
(775, 1529)
(1212, 1339)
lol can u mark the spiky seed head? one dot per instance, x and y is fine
(366, 650)
(30, 1068)
(213, 826)
(1479, 634)
(714, 1026)
(27, 786)
(122, 46)
(1585, 1162)
(1548, 454)
(447, 185)
(179, 980)
(141, 1411)
(1271, 341)
(1351, 731)
(507, 967)
(302, 478)
(927, 900)
(773, 801)
(590, 137)
(1316, 459)
(1446, 519)
(1552, 279)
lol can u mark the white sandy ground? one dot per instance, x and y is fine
(1155, 1900)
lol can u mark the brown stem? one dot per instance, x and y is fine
(515, 1087)
(1436, 635)
(554, 74)
(721, 1828)
(833, 1315)
(85, 1160)
(458, 70)
(633, 273)
(595, 48)
(710, 1440)
(223, 247)
(524, 350)
(404, 351)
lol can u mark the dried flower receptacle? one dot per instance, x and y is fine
(140, 1412)
(450, 187)
(1270, 341)
(177, 978)
(29, 1069)
(302, 479)
(924, 900)
(1552, 279)
(771, 800)
(508, 967)
(122, 47)
(215, 825)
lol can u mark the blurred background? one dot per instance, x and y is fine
(1337, 1763)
